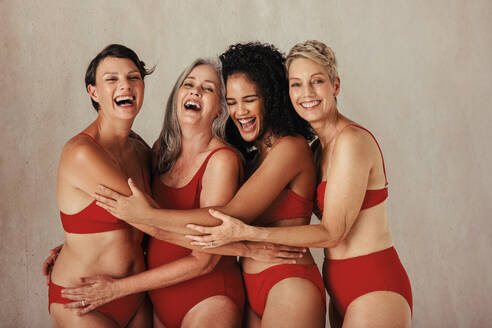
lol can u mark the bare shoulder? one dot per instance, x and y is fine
(292, 146)
(81, 149)
(224, 159)
(354, 142)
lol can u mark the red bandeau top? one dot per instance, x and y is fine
(372, 197)
(93, 219)
(287, 205)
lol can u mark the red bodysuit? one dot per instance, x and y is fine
(288, 205)
(172, 303)
(347, 279)
(95, 219)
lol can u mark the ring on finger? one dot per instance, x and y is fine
(83, 303)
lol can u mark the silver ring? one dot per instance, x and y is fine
(83, 303)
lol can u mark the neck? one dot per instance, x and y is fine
(326, 129)
(112, 133)
(193, 141)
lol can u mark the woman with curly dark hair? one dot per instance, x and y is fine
(278, 192)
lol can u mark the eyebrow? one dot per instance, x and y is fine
(192, 77)
(116, 73)
(248, 96)
(294, 77)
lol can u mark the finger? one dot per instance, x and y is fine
(289, 248)
(74, 305)
(57, 249)
(214, 244)
(104, 191)
(106, 207)
(133, 187)
(285, 261)
(204, 238)
(198, 243)
(289, 255)
(218, 215)
(87, 309)
(199, 228)
(73, 296)
(106, 200)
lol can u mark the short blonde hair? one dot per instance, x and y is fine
(316, 51)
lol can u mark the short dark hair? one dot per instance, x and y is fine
(118, 51)
(264, 65)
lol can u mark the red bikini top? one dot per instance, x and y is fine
(288, 205)
(188, 196)
(93, 219)
(372, 197)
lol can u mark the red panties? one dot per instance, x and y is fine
(258, 285)
(347, 279)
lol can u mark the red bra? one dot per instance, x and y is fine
(372, 197)
(93, 219)
(287, 205)
(188, 196)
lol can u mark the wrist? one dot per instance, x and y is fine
(251, 233)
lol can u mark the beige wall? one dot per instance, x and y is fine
(417, 73)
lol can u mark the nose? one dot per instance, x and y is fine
(242, 109)
(195, 91)
(307, 89)
(124, 84)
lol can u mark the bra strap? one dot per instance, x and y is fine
(373, 137)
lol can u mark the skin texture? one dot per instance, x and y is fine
(84, 165)
(350, 161)
(220, 180)
(287, 163)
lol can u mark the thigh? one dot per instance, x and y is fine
(143, 317)
(251, 319)
(294, 302)
(215, 311)
(378, 309)
(336, 319)
(62, 317)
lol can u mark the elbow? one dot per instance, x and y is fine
(334, 236)
(207, 264)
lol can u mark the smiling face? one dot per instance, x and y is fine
(246, 107)
(311, 91)
(119, 88)
(198, 99)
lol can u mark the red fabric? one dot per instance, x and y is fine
(121, 310)
(347, 279)
(258, 285)
(371, 198)
(91, 219)
(172, 303)
(287, 205)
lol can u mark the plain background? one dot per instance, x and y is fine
(416, 73)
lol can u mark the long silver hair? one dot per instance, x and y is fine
(169, 142)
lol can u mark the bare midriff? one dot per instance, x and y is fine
(116, 253)
(250, 265)
(370, 233)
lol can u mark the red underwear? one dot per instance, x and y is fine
(258, 285)
(172, 303)
(121, 310)
(350, 278)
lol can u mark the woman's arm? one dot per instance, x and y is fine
(222, 169)
(280, 166)
(347, 178)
